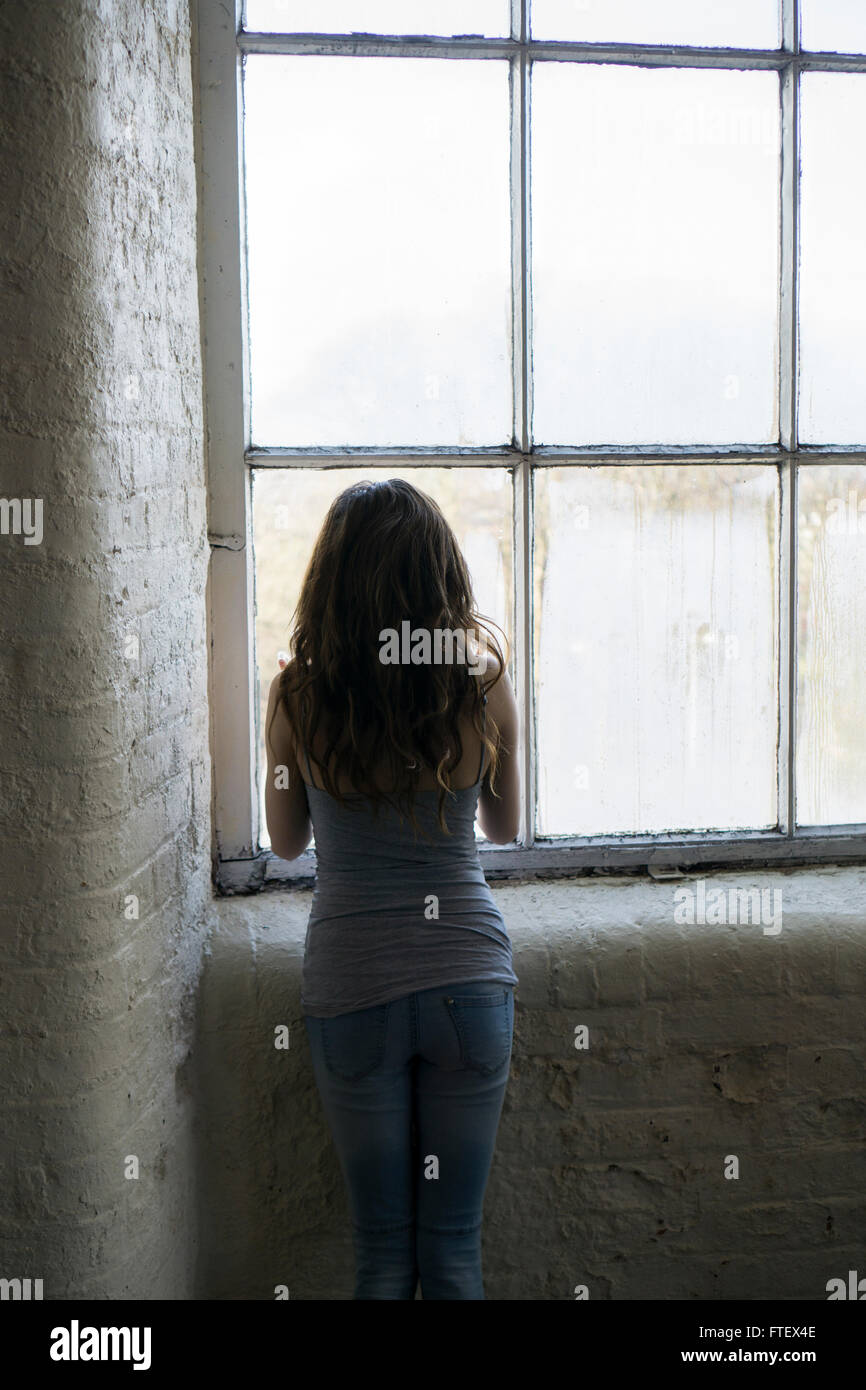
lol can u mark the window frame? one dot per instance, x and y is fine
(239, 865)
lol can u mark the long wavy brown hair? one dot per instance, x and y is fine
(385, 554)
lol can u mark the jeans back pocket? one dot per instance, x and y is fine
(353, 1044)
(484, 1023)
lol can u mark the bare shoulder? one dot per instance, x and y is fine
(500, 694)
(278, 684)
(495, 673)
(281, 733)
(276, 705)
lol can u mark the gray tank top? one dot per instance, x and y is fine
(393, 912)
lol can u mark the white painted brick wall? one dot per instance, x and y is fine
(609, 1170)
(106, 774)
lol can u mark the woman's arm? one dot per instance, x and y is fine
(500, 819)
(286, 808)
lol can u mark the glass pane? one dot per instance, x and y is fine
(655, 255)
(733, 24)
(833, 268)
(834, 26)
(831, 691)
(379, 251)
(289, 507)
(379, 16)
(656, 648)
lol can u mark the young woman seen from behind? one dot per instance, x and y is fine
(407, 980)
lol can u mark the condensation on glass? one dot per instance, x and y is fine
(656, 648)
(289, 507)
(379, 252)
(833, 26)
(705, 23)
(655, 246)
(831, 684)
(833, 264)
(488, 17)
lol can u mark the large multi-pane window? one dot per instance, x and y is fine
(593, 276)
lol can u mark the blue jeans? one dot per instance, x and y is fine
(412, 1092)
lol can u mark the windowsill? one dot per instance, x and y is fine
(657, 855)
